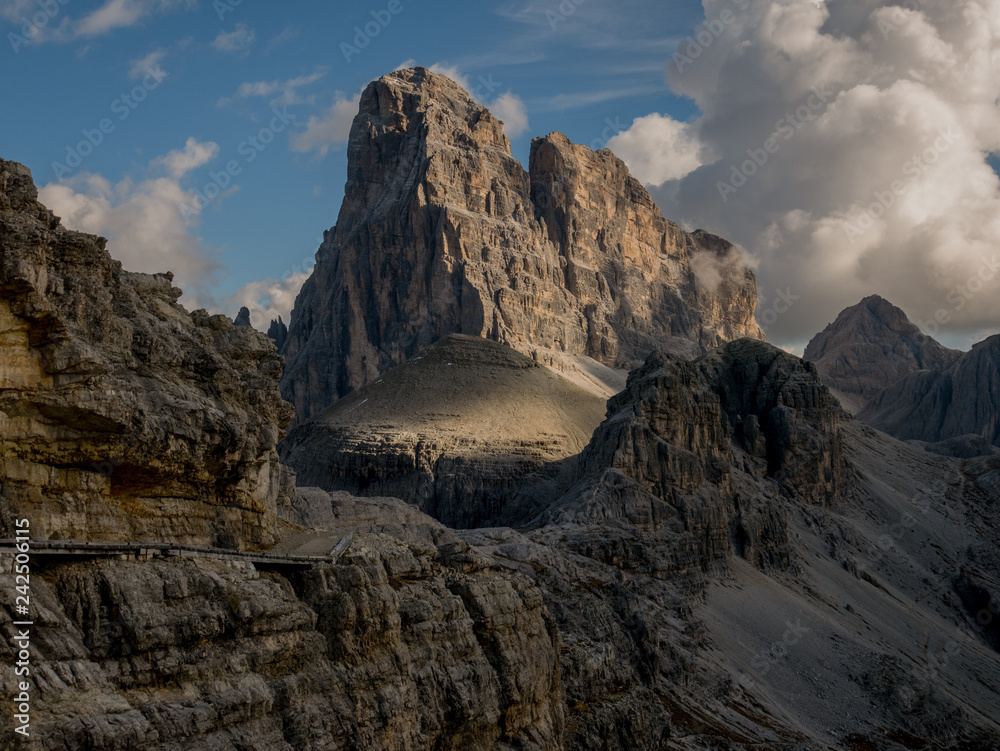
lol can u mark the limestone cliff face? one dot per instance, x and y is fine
(870, 346)
(398, 647)
(442, 231)
(123, 416)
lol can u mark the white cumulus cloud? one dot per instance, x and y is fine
(846, 148)
(143, 224)
(267, 299)
(194, 154)
(510, 108)
(658, 148)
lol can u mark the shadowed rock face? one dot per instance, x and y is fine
(442, 231)
(397, 647)
(123, 416)
(697, 454)
(870, 346)
(959, 401)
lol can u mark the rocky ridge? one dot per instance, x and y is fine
(442, 231)
(961, 401)
(716, 563)
(124, 417)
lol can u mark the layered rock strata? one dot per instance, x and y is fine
(123, 416)
(453, 431)
(399, 646)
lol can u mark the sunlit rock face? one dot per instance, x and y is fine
(442, 231)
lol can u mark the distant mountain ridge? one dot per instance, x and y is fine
(869, 346)
(939, 405)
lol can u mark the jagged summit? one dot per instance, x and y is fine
(869, 346)
(442, 231)
(243, 317)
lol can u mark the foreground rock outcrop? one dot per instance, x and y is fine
(399, 646)
(442, 231)
(123, 416)
(870, 346)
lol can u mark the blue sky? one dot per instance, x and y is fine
(589, 77)
(884, 183)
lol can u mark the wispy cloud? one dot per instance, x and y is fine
(562, 102)
(330, 129)
(287, 35)
(238, 41)
(287, 90)
(151, 62)
(112, 15)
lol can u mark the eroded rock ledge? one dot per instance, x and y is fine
(123, 416)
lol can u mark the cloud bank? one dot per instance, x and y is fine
(845, 145)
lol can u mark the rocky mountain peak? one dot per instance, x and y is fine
(243, 317)
(442, 231)
(869, 346)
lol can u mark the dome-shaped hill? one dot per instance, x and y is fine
(453, 430)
